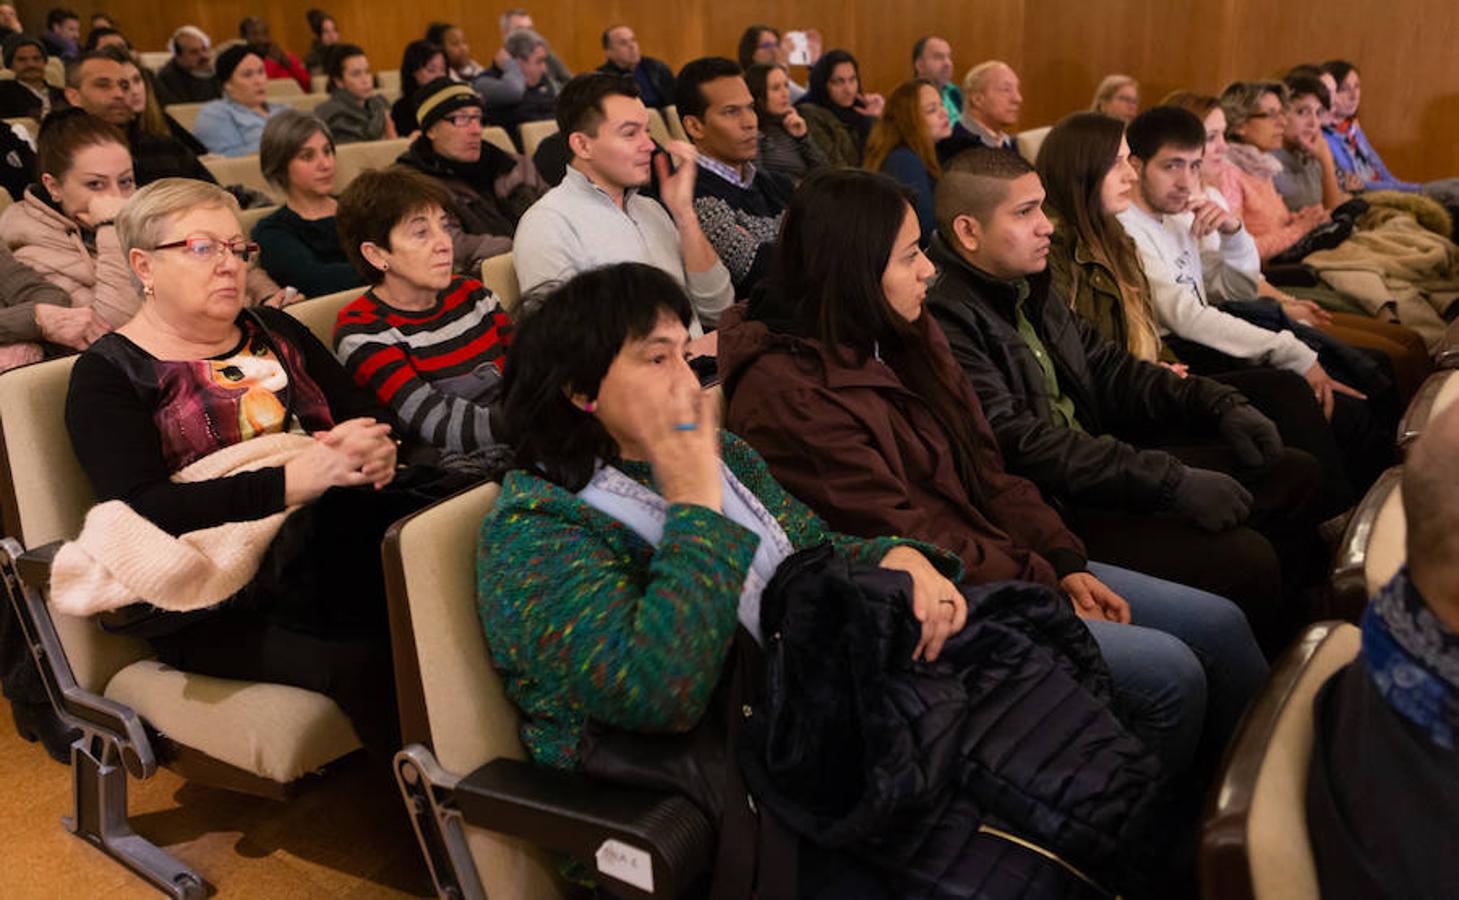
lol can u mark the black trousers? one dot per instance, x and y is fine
(1265, 566)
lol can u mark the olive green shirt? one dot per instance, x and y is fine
(1061, 408)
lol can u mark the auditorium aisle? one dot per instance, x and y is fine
(346, 837)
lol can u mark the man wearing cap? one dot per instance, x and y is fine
(27, 95)
(489, 187)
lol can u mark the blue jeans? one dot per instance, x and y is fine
(1184, 668)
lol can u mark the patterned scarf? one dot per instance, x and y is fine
(1414, 659)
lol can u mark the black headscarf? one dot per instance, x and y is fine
(858, 123)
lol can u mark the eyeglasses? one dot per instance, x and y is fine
(204, 249)
(1263, 115)
(769, 45)
(464, 120)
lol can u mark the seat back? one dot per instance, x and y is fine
(500, 274)
(44, 496)
(352, 159)
(31, 126)
(320, 313)
(676, 124)
(155, 59)
(388, 80)
(186, 114)
(319, 84)
(658, 128)
(1030, 141)
(1433, 396)
(304, 103)
(250, 217)
(451, 697)
(497, 136)
(1372, 548)
(533, 133)
(283, 87)
(242, 170)
(56, 73)
(1254, 841)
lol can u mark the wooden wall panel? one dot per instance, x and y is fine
(1062, 48)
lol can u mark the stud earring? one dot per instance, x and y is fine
(590, 407)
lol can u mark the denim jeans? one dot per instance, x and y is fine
(1184, 669)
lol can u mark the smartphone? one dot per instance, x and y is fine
(799, 48)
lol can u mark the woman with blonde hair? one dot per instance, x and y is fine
(1117, 96)
(903, 144)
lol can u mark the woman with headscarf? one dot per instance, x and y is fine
(839, 115)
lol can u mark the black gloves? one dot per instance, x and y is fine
(1251, 435)
(1213, 500)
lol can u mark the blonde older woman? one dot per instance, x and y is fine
(195, 374)
(1117, 96)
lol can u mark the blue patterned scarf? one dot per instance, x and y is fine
(1414, 659)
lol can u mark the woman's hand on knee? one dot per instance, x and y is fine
(936, 602)
(1093, 599)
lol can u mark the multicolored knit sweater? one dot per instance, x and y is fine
(587, 621)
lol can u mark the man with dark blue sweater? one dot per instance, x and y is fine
(654, 78)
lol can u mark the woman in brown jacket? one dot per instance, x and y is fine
(853, 398)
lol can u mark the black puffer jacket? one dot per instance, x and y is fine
(1116, 396)
(918, 767)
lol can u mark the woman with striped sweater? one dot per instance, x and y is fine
(428, 343)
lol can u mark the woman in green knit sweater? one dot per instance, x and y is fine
(634, 535)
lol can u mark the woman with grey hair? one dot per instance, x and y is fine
(1118, 96)
(299, 242)
(207, 420)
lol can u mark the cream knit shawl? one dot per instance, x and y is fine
(121, 558)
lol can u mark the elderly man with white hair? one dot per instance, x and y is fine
(188, 76)
(991, 102)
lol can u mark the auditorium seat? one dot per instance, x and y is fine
(186, 114)
(388, 80)
(658, 128)
(135, 714)
(248, 218)
(56, 72)
(483, 814)
(32, 127)
(320, 313)
(1031, 140)
(154, 59)
(1433, 397)
(500, 274)
(1446, 355)
(242, 170)
(497, 136)
(352, 159)
(1372, 547)
(533, 133)
(279, 88)
(304, 103)
(1254, 843)
(676, 125)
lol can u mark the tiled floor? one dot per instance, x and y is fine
(347, 836)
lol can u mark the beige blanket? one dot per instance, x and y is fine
(1398, 264)
(121, 558)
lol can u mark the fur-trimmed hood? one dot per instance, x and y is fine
(1253, 161)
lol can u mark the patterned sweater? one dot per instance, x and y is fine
(439, 369)
(587, 621)
(741, 221)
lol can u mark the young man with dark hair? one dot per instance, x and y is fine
(597, 217)
(62, 36)
(27, 95)
(739, 206)
(932, 60)
(654, 78)
(1086, 421)
(1167, 145)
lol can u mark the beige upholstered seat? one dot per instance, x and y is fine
(352, 159)
(277, 733)
(676, 125)
(154, 59)
(1030, 141)
(319, 313)
(282, 87)
(31, 126)
(658, 128)
(186, 114)
(242, 170)
(500, 274)
(497, 136)
(56, 72)
(304, 103)
(248, 218)
(388, 80)
(451, 697)
(1433, 397)
(1372, 548)
(534, 133)
(319, 84)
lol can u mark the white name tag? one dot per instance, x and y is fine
(628, 864)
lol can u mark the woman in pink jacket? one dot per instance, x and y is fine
(63, 229)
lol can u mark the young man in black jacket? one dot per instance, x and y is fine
(1176, 477)
(654, 78)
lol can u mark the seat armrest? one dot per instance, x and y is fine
(1293, 275)
(1446, 355)
(571, 813)
(34, 565)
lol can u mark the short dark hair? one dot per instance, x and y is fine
(66, 132)
(580, 103)
(1301, 85)
(687, 96)
(1339, 69)
(416, 56)
(974, 182)
(374, 203)
(97, 34)
(564, 343)
(921, 45)
(246, 22)
(750, 42)
(436, 32)
(110, 54)
(60, 14)
(1165, 126)
(335, 59)
(316, 19)
(609, 30)
(1304, 69)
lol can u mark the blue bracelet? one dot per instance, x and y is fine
(686, 426)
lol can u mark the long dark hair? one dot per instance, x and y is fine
(826, 285)
(857, 122)
(750, 42)
(564, 345)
